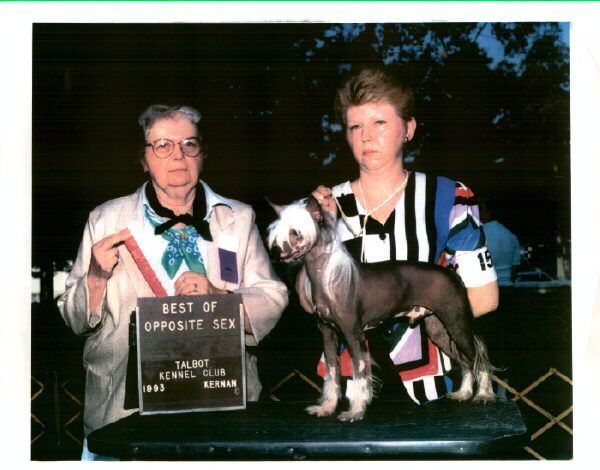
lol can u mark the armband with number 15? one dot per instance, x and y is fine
(476, 267)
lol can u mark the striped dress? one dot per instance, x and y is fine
(436, 220)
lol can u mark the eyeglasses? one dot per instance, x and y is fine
(164, 147)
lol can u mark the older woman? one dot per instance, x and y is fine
(185, 226)
(391, 213)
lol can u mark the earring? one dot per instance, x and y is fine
(405, 139)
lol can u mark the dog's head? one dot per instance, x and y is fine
(296, 230)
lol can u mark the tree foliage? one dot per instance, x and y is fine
(499, 123)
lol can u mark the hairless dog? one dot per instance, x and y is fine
(349, 298)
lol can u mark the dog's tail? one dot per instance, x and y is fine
(376, 380)
(480, 362)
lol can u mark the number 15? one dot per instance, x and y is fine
(485, 260)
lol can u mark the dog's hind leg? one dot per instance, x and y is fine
(331, 383)
(362, 392)
(485, 392)
(465, 392)
(474, 368)
(439, 335)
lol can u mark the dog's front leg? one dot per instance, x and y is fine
(362, 392)
(331, 384)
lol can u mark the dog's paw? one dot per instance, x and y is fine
(320, 410)
(484, 398)
(351, 416)
(460, 395)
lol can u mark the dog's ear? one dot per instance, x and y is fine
(275, 207)
(314, 209)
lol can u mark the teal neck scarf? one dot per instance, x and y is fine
(183, 246)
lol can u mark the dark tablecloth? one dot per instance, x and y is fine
(280, 431)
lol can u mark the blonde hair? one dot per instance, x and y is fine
(372, 84)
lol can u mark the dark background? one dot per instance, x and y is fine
(266, 91)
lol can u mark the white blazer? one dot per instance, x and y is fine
(106, 349)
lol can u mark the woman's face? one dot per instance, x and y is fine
(376, 134)
(177, 171)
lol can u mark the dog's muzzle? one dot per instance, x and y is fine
(285, 251)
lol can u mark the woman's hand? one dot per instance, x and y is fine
(105, 255)
(324, 196)
(191, 283)
(104, 259)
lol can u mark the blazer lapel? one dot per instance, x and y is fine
(221, 219)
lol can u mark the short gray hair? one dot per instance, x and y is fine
(156, 112)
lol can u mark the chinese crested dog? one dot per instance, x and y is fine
(350, 298)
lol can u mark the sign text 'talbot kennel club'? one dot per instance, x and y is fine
(191, 353)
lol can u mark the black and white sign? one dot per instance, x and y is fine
(191, 353)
